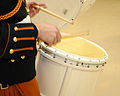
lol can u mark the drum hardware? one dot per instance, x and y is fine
(75, 63)
(65, 61)
(88, 66)
(81, 63)
(87, 4)
(53, 14)
(53, 55)
(97, 66)
(65, 11)
(82, 1)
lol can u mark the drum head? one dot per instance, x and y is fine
(69, 9)
(65, 8)
(81, 47)
(86, 5)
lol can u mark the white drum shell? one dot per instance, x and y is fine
(58, 80)
(57, 77)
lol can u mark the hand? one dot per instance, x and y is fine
(48, 34)
(33, 11)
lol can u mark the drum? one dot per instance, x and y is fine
(68, 9)
(71, 68)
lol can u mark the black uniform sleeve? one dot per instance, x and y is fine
(17, 39)
(17, 43)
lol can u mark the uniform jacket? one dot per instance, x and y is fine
(17, 43)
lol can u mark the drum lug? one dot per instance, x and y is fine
(88, 66)
(82, 1)
(54, 55)
(77, 64)
(97, 66)
(82, 64)
(65, 61)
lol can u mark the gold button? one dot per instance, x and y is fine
(15, 28)
(11, 51)
(22, 57)
(15, 39)
(12, 60)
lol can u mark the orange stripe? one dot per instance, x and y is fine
(22, 49)
(13, 12)
(7, 41)
(26, 28)
(26, 38)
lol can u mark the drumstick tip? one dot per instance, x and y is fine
(71, 22)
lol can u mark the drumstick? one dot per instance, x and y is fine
(52, 14)
(67, 35)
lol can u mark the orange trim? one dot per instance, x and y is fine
(7, 41)
(25, 28)
(22, 49)
(13, 12)
(26, 38)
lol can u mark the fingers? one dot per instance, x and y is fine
(48, 34)
(42, 5)
(34, 10)
(35, 3)
(55, 39)
(58, 35)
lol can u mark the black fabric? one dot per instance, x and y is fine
(21, 44)
(7, 5)
(19, 16)
(20, 70)
(3, 37)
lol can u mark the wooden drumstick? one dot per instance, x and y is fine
(67, 35)
(52, 14)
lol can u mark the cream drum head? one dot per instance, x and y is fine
(79, 50)
(86, 5)
(71, 68)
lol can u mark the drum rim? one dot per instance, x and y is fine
(77, 58)
(75, 65)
